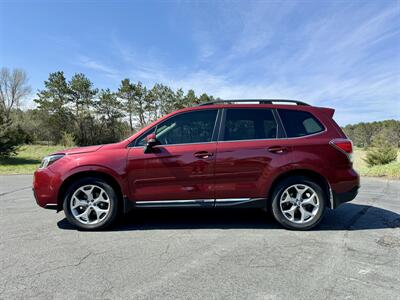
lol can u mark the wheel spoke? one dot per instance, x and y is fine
(304, 214)
(310, 200)
(78, 202)
(291, 211)
(99, 212)
(301, 189)
(88, 192)
(288, 199)
(101, 198)
(84, 214)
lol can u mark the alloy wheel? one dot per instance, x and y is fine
(90, 204)
(299, 203)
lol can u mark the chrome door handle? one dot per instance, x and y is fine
(277, 149)
(203, 154)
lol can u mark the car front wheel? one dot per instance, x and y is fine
(298, 203)
(91, 204)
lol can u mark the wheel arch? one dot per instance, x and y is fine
(83, 174)
(313, 175)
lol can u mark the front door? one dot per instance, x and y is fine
(180, 170)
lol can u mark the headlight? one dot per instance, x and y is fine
(48, 160)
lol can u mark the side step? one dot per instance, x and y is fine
(206, 203)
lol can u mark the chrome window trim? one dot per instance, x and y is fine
(314, 116)
(178, 144)
(220, 129)
(217, 119)
(223, 122)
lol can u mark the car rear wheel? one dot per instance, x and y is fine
(298, 203)
(91, 204)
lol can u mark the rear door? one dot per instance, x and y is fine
(248, 151)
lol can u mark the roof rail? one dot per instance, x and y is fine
(260, 101)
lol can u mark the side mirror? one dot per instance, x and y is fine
(151, 142)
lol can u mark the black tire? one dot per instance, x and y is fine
(113, 207)
(276, 203)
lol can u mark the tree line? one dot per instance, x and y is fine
(370, 134)
(93, 116)
(74, 112)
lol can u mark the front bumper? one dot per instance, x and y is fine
(45, 188)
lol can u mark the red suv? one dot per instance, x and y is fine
(293, 160)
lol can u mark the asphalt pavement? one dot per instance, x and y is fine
(201, 254)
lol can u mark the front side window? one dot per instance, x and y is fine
(185, 128)
(299, 123)
(249, 124)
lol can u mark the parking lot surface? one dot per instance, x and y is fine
(201, 254)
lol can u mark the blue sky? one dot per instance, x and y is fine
(341, 54)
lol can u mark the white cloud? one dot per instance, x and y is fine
(346, 57)
(92, 64)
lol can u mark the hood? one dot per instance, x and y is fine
(78, 150)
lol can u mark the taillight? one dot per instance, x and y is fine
(344, 145)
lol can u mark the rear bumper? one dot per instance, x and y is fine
(346, 186)
(339, 198)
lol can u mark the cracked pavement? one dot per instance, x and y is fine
(209, 254)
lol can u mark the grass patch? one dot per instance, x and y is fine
(391, 170)
(27, 160)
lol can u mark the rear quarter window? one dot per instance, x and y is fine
(299, 123)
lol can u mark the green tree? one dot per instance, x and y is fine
(205, 98)
(140, 103)
(109, 108)
(163, 101)
(126, 92)
(179, 99)
(52, 103)
(191, 99)
(152, 103)
(81, 95)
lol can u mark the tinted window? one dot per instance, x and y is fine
(190, 127)
(299, 123)
(249, 124)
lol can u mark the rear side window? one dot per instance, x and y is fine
(299, 123)
(249, 124)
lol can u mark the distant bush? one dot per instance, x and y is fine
(11, 137)
(381, 152)
(380, 155)
(67, 140)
